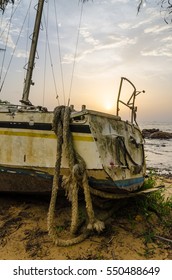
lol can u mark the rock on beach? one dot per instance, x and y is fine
(154, 133)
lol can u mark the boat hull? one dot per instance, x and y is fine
(112, 150)
(13, 179)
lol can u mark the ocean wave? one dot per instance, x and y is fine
(158, 152)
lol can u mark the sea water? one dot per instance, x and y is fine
(158, 152)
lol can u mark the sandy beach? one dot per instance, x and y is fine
(23, 232)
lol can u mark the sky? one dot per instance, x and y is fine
(109, 40)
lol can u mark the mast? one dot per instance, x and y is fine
(28, 80)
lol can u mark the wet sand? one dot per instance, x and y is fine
(23, 232)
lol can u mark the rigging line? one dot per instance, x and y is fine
(74, 62)
(6, 42)
(15, 48)
(45, 58)
(60, 56)
(12, 16)
(51, 62)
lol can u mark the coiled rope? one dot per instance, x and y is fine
(77, 178)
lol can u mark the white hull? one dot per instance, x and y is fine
(112, 150)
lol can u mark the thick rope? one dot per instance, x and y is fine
(77, 178)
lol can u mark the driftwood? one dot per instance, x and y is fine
(163, 238)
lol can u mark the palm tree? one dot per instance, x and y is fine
(165, 7)
(3, 4)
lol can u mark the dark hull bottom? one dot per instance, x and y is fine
(30, 181)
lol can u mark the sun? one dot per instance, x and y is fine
(108, 105)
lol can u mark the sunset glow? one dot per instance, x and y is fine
(114, 41)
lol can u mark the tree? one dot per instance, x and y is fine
(165, 7)
(3, 4)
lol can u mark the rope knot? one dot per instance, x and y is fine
(78, 171)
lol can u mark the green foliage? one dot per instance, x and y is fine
(149, 181)
(151, 203)
(148, 236)
(155, 202)
(60, 228)
(158, 202)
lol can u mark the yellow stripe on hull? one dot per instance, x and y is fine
(76, 136)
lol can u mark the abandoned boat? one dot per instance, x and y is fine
(111, 148)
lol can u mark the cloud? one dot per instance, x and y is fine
(4, 41)
(164, 51)
(7, 34)
(21, 54)
(156, 29)
(111, 43)
(167, 39)
(10, 43)
(120, 1)
(88, 37)
(141, 23)
(124, 25)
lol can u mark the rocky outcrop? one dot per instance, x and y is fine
(147, 132)
(156, 134)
